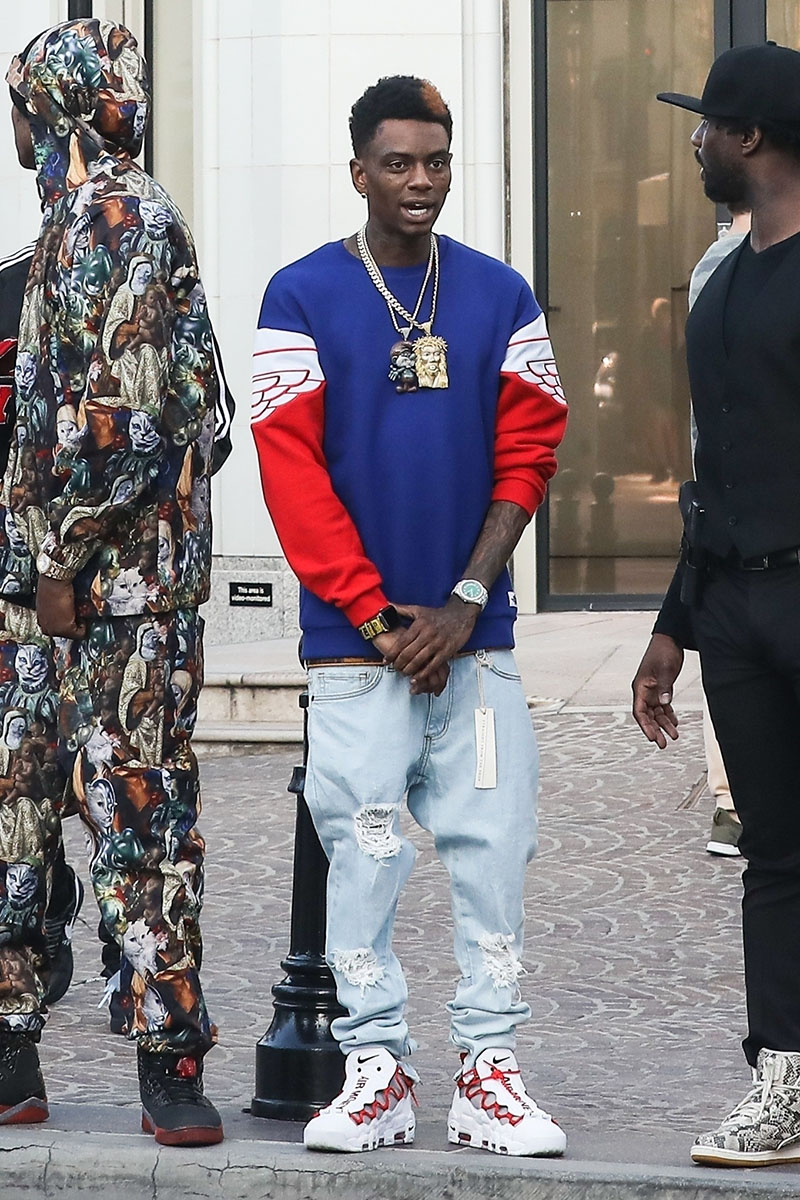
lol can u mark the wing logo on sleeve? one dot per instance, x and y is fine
(530, 356)
(285, 365)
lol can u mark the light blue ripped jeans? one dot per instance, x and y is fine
(371, 744)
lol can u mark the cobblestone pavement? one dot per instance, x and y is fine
(633, 954)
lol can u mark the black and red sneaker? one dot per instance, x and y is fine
(22, 1096)
(174, 1108)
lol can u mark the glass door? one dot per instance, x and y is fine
(627, 221)
(783, 22)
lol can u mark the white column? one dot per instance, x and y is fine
(520, 168)
(482, 116)
(20, 214)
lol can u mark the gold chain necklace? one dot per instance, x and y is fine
(423, 362)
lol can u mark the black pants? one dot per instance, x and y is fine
(748, 633)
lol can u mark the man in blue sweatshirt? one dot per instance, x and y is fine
(406, 409)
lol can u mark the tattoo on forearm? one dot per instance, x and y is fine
(501, 531)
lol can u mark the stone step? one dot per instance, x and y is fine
(242, 737)
(263, 697)
(242, 712)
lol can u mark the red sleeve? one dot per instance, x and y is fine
(315, 530)
(531, 418)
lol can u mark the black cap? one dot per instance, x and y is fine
(749, 82)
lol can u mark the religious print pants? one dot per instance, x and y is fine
(103, 725)
(372, 744)
(748, 635)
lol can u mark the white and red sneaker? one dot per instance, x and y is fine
(492, 1111)
(374, 1108)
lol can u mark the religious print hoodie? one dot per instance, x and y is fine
(378, 496)
(13, 276)
(115, 381)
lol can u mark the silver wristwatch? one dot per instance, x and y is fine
(471, 591)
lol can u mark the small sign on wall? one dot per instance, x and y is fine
(253, 595)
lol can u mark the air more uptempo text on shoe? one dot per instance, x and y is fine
(492, 1111)
(764, 1127)
(374, 1108)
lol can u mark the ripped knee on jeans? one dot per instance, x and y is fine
(360, 967)
(374, 833)
(501, 963)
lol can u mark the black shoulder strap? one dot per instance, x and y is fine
(225, 409)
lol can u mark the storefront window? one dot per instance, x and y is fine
(627, 221)
(783, 22)
(173, 101)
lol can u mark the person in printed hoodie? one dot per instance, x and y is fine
(406, 409)
(105, 542)
(66, 894)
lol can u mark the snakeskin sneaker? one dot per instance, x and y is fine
(491, 1110)
(374, 1108)
(764, 1127)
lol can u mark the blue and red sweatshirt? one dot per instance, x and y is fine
(377, 496)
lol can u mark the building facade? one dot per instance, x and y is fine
(565, 166)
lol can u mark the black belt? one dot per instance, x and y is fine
(765, 562)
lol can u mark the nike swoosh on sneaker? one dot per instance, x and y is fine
(361, 1060)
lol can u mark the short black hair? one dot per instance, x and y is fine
(783, 137)
(397, 98)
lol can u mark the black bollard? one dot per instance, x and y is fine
(299, 1066)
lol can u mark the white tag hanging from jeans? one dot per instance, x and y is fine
(486, 769)
(485, 744)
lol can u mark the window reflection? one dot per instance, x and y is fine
(783, 22)
(627, 222)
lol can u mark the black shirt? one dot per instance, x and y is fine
(750, 274)
(735, 388)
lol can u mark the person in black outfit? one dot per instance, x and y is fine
(735, 595)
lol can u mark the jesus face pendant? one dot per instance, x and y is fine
(430, 355)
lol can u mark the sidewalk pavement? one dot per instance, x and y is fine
(633, 961)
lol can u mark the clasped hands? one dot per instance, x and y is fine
(423, 650)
